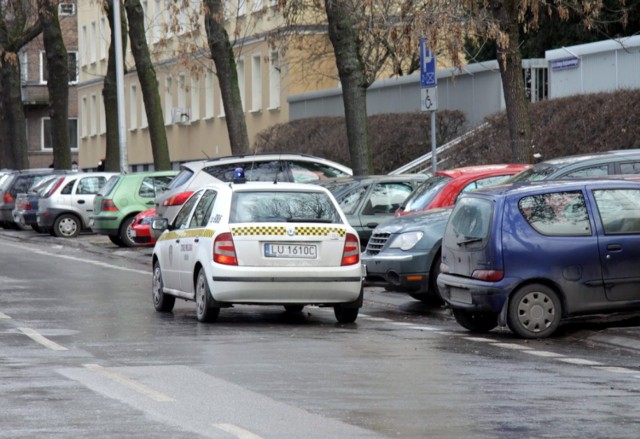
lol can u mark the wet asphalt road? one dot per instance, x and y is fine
(83, 354)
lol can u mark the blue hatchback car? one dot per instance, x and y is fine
(529, 255)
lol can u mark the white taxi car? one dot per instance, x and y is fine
(259, 243)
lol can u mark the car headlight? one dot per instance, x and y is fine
(406, 241)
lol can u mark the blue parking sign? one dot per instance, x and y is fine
(427, 65)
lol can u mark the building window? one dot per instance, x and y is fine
(256, 83)
(242, 7)
(168, 100)
(195, 98)
(156, 27)
(101, 117)
(133, 108)
(46, 143)
(209, 94)
(83, 111)
(24, 66)
(103, 38)
(274, 81)
(241, 84)
(66, 9)
(93, 41)
(94, 115)
(73, 67)
(84, 45)
(257, 5)
(182, 92)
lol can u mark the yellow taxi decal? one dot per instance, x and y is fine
(188, 233)
(282, 231)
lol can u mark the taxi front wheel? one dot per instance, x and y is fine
(161, 302)
(205, 311)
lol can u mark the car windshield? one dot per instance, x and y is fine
(42, 184)
(425, 193)
(470, 220)
(109, 186)
(289, 206)
(534, 173)
(180, 179)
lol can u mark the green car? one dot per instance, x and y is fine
(122, 198)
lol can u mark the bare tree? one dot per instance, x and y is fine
(225, 62)
(149, 85)
(110, 95)
(19, 24)
(57, 70)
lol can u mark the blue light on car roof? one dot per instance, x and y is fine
(238, 175)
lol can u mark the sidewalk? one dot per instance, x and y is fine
(621, 330)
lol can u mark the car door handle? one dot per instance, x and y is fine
(150, 203)
(614, 247)
(196, 240)
(372, 225)
(177, 241)
(81, 201)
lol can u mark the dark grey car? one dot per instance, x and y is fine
(371, 199)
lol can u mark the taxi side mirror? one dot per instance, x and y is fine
(160, 224)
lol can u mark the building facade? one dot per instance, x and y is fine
(35, 95)
(193, 112)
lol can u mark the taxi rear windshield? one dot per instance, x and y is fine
(283, 207)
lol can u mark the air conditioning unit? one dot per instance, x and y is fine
(180, 116)
(66, 9)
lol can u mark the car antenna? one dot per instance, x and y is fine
(205, 154)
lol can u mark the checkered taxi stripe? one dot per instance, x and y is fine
(189, 233)
(282, 231)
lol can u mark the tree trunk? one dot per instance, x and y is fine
(510, 64)
(354, 85)
(111, 161)
(57, 83)
(14, 132)
(148, 84)
(224, 59)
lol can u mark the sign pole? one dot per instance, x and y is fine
(429, 93)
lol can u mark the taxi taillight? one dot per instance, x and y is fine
(351, 252)
(8, 198)
(108, 205)
(177, 200)
(224, 252)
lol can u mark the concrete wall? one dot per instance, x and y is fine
(476, 89)
(597, 67)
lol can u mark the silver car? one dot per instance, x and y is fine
(64, 209)
(298, 168)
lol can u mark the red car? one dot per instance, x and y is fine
(443, 188)
(140, 230)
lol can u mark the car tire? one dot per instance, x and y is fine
(434, 272)
(205, 311)
(534, 311)
(67, 226)
(38, 229)
(345, 315)
(125, 232)
(475, 321)
(293, 308)
(162, 302)
(115, 239)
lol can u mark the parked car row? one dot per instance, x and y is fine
(404, 254)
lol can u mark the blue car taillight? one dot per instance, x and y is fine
(488, 275)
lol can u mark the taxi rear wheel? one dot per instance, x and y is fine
(205, 311)
(162, 302)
